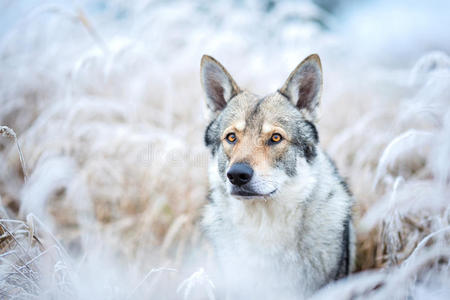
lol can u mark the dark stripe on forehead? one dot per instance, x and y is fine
(257, 107)
(252, 117)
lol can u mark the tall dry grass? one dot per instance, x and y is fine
(106, 103)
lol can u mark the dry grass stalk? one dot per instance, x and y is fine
(8, 132)
(114, 141)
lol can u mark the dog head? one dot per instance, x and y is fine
(260, 144)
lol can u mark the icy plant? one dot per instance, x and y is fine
(197, 279)
(106, 101)
(8, 132)
(29, 268)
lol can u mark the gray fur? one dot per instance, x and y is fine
(298, 235)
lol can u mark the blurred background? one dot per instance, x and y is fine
(105, 101)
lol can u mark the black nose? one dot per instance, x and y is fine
(240, 173)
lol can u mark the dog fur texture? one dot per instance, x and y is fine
(286, 231)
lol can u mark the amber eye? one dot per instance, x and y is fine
(231, 138)
(276, 138)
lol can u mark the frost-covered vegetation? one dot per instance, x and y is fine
(103, 98)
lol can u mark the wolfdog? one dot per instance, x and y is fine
(279, 215)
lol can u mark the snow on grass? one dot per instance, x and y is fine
(105, 99)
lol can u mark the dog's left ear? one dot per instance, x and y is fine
(304, 85)
(217, 83)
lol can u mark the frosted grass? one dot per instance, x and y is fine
(106, 103)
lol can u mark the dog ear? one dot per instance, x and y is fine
(304, 85)
(217, 83)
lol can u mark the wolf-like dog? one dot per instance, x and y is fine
(279, 215)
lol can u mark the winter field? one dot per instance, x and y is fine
(103, 165)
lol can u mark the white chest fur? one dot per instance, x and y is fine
(258, 246)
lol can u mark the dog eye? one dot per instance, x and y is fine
(231, 138)
(275, 139)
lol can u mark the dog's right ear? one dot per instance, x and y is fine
(217, 83)
(304, 86)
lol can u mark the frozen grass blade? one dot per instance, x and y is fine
(8, 132)
(146, 277)
(109, 92)
(197, 279)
